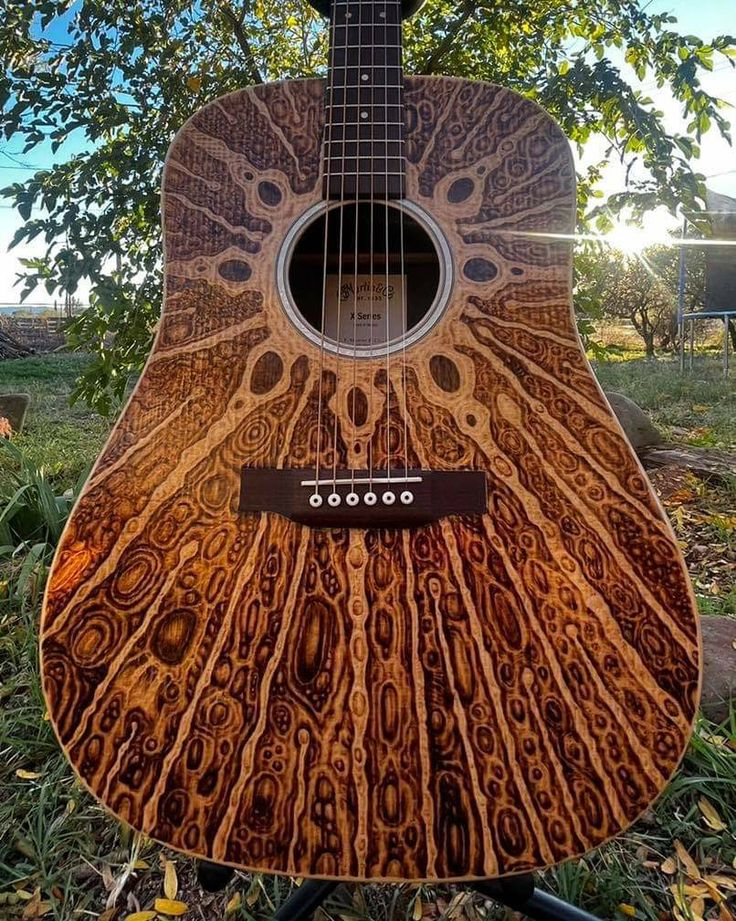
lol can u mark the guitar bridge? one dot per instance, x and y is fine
(363, 499)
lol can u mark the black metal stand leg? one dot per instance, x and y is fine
(305, 900)
(516, 892)
(521, 894)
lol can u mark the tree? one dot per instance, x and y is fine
(131, 71)
(641, 288)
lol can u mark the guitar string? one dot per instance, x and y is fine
(402, 268)
(386, 265)
(358, 99)
(327, 167)
(341, 205)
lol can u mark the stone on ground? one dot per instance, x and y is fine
(637, 426)
(14, 406)
(719, 666)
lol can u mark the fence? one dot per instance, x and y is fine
(42, 334)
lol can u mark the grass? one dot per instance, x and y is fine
(697, 407)
(62, 439)
(63, 857)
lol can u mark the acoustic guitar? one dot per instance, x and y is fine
(367, 582)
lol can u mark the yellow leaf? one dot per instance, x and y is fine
(718, 879)
(141, 916)
(697, 907)
(628, 910)
(141, 865)
(170, 881)
(700, 408)
(170, 906)
(27, 775)
(712, 819)
(714, 739)
(669, 866)
(24, 894)
(233, 904)
(194, 84)
(686, 860)
(417, 913)
(696, 891)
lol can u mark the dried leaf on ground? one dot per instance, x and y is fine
(171, 883)
(170, 906)
(710, 814)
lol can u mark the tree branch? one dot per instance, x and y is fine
(241, 38)
(441, 50)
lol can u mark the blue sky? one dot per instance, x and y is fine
(704, 19)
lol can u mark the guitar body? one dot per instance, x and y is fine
(477, 696)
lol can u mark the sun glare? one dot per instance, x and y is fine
(655, 229)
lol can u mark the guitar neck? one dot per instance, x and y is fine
(364, 113)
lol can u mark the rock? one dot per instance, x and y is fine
(719, 666)
(14, 407)
(638, 427)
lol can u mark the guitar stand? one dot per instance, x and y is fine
(518, 893)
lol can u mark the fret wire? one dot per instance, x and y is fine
(371, 147)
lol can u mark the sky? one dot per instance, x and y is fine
(705, 19)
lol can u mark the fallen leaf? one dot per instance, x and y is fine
(253, 894)
(718, 879)
(233, 904)
(141, 916)
(686, 860)
(417, 912)
(669, 866)
(24, 847)
(108, 880)
(696, 891)
(627, 910)
(714, 739)
(712, 819)
(170, 906)
(171, 883)
(36, 907)
(27, 775)
(697, 907)
(141, 865)
(194, 84)
(108, 914)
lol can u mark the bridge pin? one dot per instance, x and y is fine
(334, 499)
(407, 497)
(352, 498)
(370, 498)
(388, 498)
(315, 500)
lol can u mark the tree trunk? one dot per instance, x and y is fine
(648, 337)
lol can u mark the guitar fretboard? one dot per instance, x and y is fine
(364, 113)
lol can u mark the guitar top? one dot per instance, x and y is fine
(380, 594)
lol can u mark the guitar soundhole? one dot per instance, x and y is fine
(389, 296)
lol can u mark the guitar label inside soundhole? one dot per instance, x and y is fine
(369, 310)
(403, 269)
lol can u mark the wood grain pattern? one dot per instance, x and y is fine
(477, 697)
